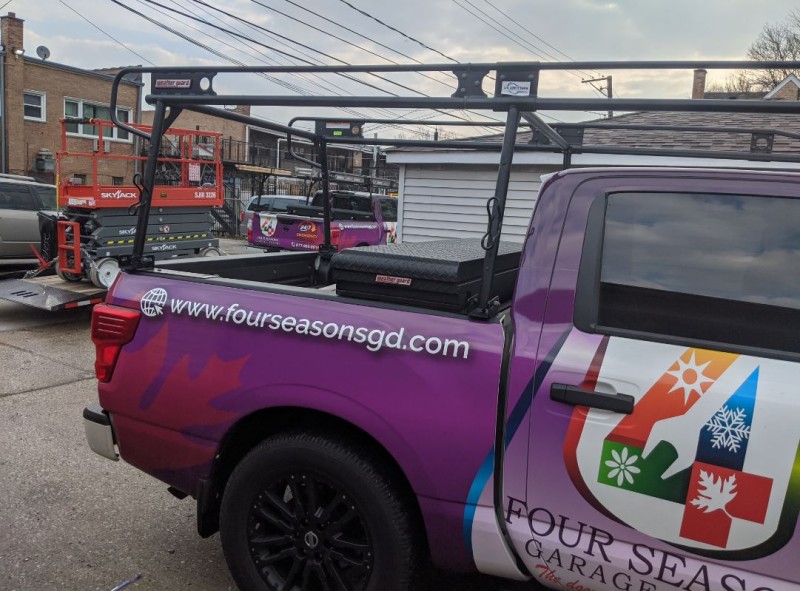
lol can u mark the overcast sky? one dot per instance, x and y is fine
(556, 29)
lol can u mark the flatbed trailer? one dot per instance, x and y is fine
(51, 293)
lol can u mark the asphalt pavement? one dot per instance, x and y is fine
(70, 519)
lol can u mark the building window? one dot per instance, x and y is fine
(117, 180)
(85, 109)
(34, 105)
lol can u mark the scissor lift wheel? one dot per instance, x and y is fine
(103, 272)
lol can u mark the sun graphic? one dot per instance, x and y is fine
(690, 378)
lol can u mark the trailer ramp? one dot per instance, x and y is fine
(51, 293)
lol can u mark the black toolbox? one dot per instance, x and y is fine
(443, 274)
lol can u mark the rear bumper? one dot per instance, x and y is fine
(99, 432)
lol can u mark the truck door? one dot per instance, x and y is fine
(664, 430)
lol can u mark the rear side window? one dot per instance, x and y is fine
(282, 205)
(720, 268)
(16, 197)
(388, 209)
(262, 204)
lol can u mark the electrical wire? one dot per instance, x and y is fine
(327, 33)
(527, 30)
(201, 2)
(139, 55)
(327, 85)
(448, 84)
(390, 27)
(278, 81)
(452, 59)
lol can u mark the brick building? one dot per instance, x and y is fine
(36, 94)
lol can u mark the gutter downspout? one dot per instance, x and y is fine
(3, 158)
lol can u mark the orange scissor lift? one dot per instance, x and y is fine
(95, 226)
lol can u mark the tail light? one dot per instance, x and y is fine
(335, 236)
(112, 327)
(241, 216)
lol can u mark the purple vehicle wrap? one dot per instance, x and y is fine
(299, 232)
(589, 499)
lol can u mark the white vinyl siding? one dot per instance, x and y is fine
(449, 201)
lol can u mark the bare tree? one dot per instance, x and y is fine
(776, 42)
(780, 42)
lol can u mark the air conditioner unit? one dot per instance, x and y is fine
(96, 145)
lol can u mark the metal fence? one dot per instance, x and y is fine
(229, 219)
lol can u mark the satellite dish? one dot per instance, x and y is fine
(43, 52)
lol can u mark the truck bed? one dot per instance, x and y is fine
(442, 275)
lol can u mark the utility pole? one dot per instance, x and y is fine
(607, 90)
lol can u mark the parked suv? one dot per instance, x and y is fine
(268, 204)
(21, 198)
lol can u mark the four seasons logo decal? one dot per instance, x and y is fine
(710, 447)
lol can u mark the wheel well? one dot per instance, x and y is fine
(253, 429)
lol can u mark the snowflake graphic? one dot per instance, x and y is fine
(622, 466)
(729, 428)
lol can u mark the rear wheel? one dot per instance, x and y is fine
(64, 276)
(210, 251)
(304, 512)
(103, 272)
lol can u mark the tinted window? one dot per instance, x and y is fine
(47, 195)
(342, 202)
(711, 267)
(260, 204)
(16, 197)
(281, 204)
(388, 209)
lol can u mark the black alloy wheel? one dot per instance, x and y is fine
(301, 530)
(303, 512)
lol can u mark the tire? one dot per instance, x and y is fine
(103, 272)
(210, 251)
(359, 528)
(64, 276)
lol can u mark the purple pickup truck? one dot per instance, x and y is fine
(622, 417)
(357, 219)
(609, 405)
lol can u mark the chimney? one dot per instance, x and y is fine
(11, 35)
(699, 84)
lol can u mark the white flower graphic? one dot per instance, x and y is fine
(622, 466)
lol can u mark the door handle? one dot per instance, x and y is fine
(621, 403)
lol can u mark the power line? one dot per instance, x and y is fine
(99, 29)
(390, 27)
(287, 85)
(464, 8)
(327, 85)
(420, 43)
(201, 2)
(378, 43)
(537, 52)
(290, 40)
(527, 30)
(327, 33)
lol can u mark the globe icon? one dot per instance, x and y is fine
(153, 302)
